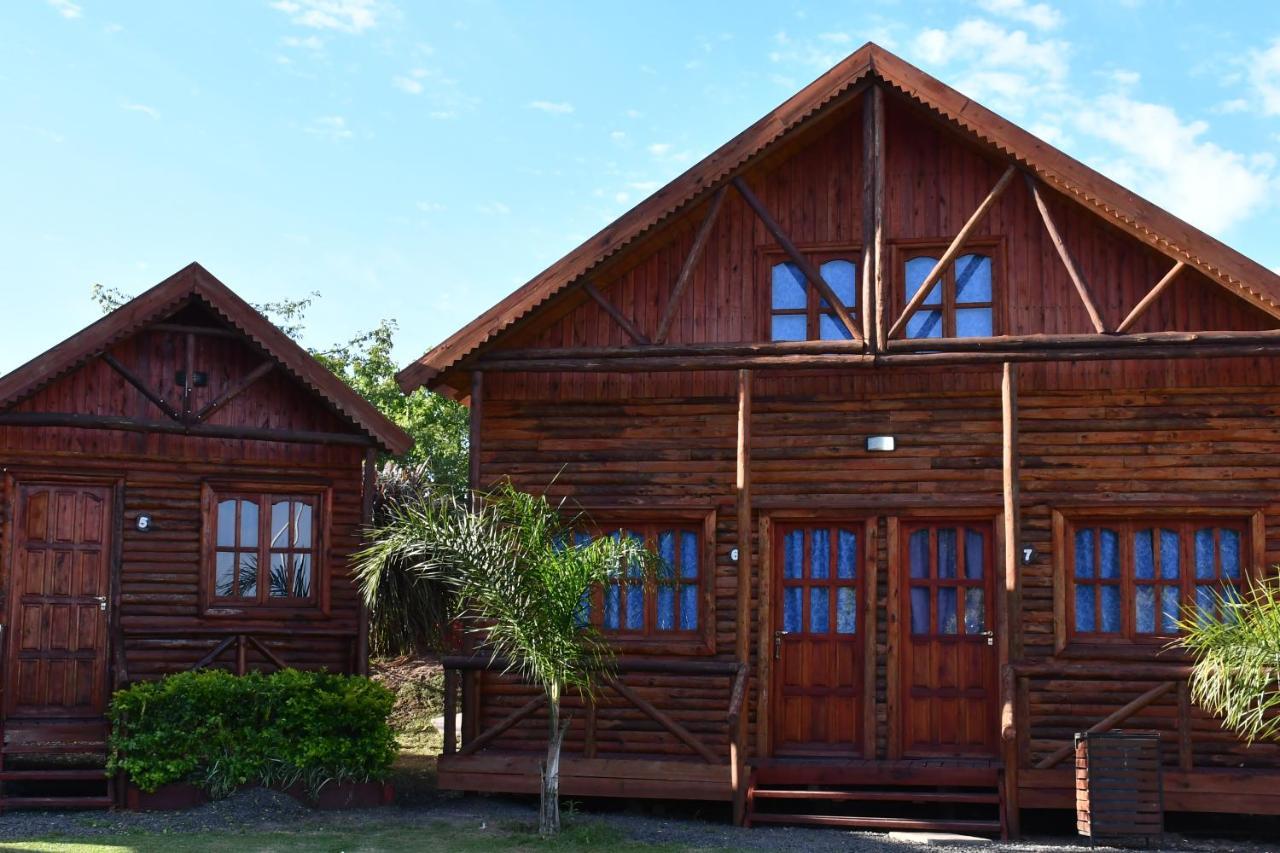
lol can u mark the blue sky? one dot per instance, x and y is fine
(420, 160)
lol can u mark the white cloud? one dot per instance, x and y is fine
(330, 127)
(618, 136)
(66, 8)
(1042, 16)
(644, 186)
(633, 114)
(552, 107)
(660, 149)
(835, 38)
(306, 42)
(348, 16)
(407, 84)
(150, 112)
(495, 208)
(1235, 105)
(1264, 75)
(622, 197)
(430, 206)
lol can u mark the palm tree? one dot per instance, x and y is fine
(522, 575)
(1236, 674)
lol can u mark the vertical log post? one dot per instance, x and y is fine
(473, 679)
(242, 655)
(1010, 613)
(876, 94)
(366, 519)
(450, 711)
(737, 749)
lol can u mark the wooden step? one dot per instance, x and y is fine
(991, 797)
(96, 802)
(986, 827)
(882, 774)
(55, 775)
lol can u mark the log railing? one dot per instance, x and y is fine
(241, 641)
(456, 665)
(1168, 678)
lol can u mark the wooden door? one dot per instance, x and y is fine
(817, 670)
(948, 659)
(56, 637)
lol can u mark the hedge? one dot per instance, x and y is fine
(221, 731)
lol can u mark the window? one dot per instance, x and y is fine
(817, 601)
(263, 548)
(1136, 579)
(799, 313)
(960, 304)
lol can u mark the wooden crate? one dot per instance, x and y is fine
(1119, 787)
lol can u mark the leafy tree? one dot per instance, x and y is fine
(522, 579)
(1236, 674)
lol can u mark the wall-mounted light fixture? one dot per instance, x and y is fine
(880, 443)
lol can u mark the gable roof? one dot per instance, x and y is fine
(1124, 208)
(195, 282)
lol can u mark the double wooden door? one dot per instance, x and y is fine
(59, 576)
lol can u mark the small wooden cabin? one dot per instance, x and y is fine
(183, 486)
(943, 431)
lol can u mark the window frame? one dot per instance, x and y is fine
(1127, 644)
(906, 250)
(265, 492)
(817, 254)
(701, 641)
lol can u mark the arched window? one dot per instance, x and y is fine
(798, 312)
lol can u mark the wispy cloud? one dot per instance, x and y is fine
(493, 208)
(303, 42)
(66, 8)
(430, 206)
(329, 127)
(552, 107)
(1264, 75)
(410, 83)
(150, 112)
(348, 16)
(1042, 16)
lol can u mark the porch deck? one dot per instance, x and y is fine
(518, 773)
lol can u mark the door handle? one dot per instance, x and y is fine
(991, 637)
(777, 643)
(102, 601)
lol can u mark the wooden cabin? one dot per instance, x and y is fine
(943, 431)
(183, 487)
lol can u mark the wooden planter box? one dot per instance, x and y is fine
(1119, 787)
(167, 798)
(182, 795)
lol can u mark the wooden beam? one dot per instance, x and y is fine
(1151, 296)
(612, 310)
(871, 606)
(1110, 721)
(742, 488)
(234, 391)
(208, 331)
(797, 257)
(475, 421)
(690, 263)
(1064, 253)
(214, 652)
(79, 421)
(502, 725)
(136, 382)
(266, 652)
(1010, 609)
(873, 303)
(664, 720)
(957, 245)
(188, 376)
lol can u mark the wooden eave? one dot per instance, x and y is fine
(1130, 212)
(191, 283)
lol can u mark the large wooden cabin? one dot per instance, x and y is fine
(924, 533)
(182, 487)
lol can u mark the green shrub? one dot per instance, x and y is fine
(221, 731)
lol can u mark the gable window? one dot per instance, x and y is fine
(1136, 579)
(959, 305)
(798, 312)
(263, 548)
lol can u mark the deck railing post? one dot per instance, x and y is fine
(450, 711)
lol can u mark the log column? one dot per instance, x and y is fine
(742, 484)
(1010, 613)
(366, 519)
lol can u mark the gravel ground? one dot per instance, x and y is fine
(267, 810)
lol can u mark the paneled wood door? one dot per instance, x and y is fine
(817, 669)
(56, 661)
(948, 659)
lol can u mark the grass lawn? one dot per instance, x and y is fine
(372, 837)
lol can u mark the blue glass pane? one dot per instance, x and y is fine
(635, 607)
(1110, 609)
(974, 615)
(917, 270)
(919, 610)
(946, 552)
(1206, 603)
(789, 287)
(842, 277)
(1144, 608)
(973, 278)
(581, 538)
(1229, 552)
(975, 554)
(820, 554)
(789, 327)
(846, 610)
(847, 555)
(819, 610)
(1084, 553)
(792, 608)
(1205, 553)
(1169, 556)
(1109, 542)
(973, 323)
(1086, 618)
(918, 548)
(831, 329)
(1169, 609)
(793, 554)
(688, 607)
(667, 551)
(1144, 561)
(947, 623)
(666, 608)
(925, 324)
(688, 555)
(635, 569)
(612, 600)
